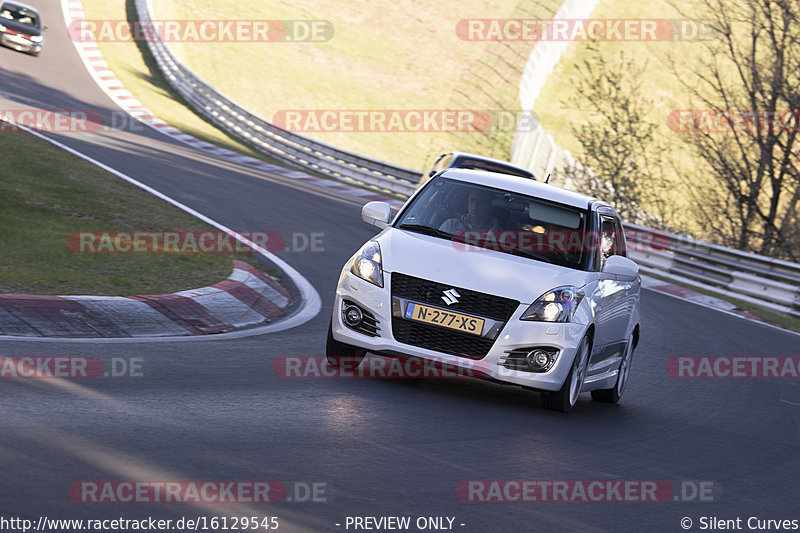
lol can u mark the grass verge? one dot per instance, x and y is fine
(47, 193)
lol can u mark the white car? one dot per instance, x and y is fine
(515, 280)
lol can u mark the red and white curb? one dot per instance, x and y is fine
(113, 87)
(248, 298)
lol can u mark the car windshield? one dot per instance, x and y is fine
(19, 14)
(478, 218)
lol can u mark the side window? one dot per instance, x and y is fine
(609, 239)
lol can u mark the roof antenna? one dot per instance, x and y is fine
(547, 179)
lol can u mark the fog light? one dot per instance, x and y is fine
(353, 316)
(537, 359)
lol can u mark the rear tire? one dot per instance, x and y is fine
(614, 394)
(339, 354)
(566, 398)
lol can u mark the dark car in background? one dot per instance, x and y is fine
(21, 28)
(474, 162)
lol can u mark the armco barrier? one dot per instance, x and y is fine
(762, 280)
(768, 282)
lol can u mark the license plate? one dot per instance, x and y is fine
(447, 319)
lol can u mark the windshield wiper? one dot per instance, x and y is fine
(427, 230)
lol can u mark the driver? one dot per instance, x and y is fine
(478, 215)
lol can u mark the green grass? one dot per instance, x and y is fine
(384, 55)
(47, 193)
(767, 315)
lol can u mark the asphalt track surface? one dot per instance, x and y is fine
(215, 410)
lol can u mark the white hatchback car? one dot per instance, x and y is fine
(515, 280)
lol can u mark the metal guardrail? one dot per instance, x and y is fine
(763, 280)
(766, 281)
(296, 150)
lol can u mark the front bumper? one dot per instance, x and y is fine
(20, 44)
(516, 334)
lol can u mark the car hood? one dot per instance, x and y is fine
(481, 270)
(20, 28)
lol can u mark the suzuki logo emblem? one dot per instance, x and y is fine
(450, 296)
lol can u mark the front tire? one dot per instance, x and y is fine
(339, 354)
(566, 398)
(614, 394)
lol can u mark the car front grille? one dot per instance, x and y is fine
(441, 339)
(470, 302)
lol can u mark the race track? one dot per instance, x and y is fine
(215, 410)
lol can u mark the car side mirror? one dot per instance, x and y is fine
(376, 213)
(621, 267)
(431, 173)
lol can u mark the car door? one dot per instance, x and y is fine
(612, 297)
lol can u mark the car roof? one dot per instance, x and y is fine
(524, 186)
(20, 4)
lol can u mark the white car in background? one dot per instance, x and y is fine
(474, 162)
(515, 280)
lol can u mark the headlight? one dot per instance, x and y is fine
(367, 263)
(36, 38)
(557, 305)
